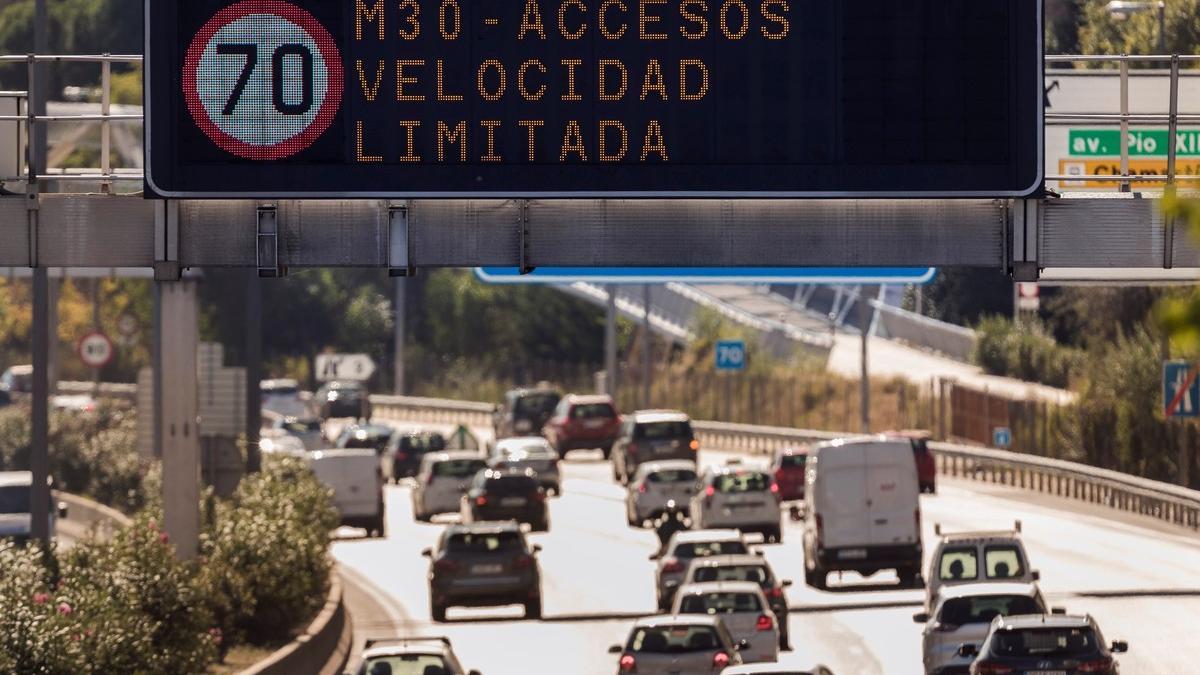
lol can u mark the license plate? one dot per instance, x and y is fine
(664, 447)
(1045, 672)
(593, 424)
(852, 554)
(486, 569)
(512, 501)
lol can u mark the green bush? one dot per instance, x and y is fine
(1024, 351)
(34, 636)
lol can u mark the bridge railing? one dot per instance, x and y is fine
(1070, 480)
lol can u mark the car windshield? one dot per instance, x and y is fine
(511, 485)
(1045, 642)
(14, 499)
(483, 542)
(404, 664)
(958, 564)
(704, 549)
(754, 573)
(302, 427)
(671, 476)
(719, 603)
(592, 411)
(984, 608)
(535, 404)
(674, 639)
(660, 430)
(458, 468)
(793, 461)
(1002, 562)
(742, 481)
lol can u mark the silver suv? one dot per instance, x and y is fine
(409, 656)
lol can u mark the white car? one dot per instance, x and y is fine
(683, 548)
(677, 645)
(357, 484)
(442, 480)
(964, 614)
(655, 484)
(409, 656)
(738, 497)
(275, 442)
(528, 452)
(744, 610)
(974, 557)
(309, 430)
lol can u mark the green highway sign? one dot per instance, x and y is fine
(1142, 142)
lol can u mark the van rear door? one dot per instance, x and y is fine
(841, 499)
(892, 493)
(354, 477)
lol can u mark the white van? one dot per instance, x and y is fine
(16, 523)
(863, 513)
(357, 482)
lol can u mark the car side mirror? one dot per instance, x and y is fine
(968, 650)
(1058, 610)
(537, 548)
(921, 617)
(614, 649)
(785, 583)
(1120, 646)
(1035, 575)
(427, 552)
(62, 509)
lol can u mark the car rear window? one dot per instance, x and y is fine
(458, 468)
(1045, 642)
(984, 608)
(742, 481)
(704, 549)
(658, 430)
(674, 640)
(719, 603)
(671, 476)
(592, 411)
(422, 443)
(483, 542)
(755, 573)
(958, 564)
(510, 485)
(403, 664)
(793, 461)
(1002, 562)
(14, 499)
(535, 404)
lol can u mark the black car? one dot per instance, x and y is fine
(373, 436)
(525, 411)
(507, 494)
(1044, 643)
(408, 448)
(484, 565)
(344, 398)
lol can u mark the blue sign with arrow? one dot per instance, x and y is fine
(709, 275)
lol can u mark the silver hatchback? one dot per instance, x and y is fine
(654, 485)
(442, 480)
(677, 645)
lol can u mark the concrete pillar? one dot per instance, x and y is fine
(181, 441)
(253, 358)
(399, 304)
(610, 343)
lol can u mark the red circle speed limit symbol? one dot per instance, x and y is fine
(263, 79)
(95, 350)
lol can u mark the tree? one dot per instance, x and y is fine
(1102, 33)
(964, 295)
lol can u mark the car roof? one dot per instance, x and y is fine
(723, 469)
(487, 526)
(435, 645)
(678, 619)
(334, 453)
(693, 536)
(664, 465)
(981, 536)
(719, 587)
(9, 478)
(450, 456)
(590, 399)
(731, 560)
(279, 383)
(26, 369)
(344, 384)
(510, 472)
(371, 428)
(990, 588)
(1019, 621)
(520, 442)
(652, 416)
(525, 391)
(802, 449)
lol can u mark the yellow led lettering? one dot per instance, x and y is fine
(358, 147)
(701, 23)
(410, 127)
(654, 80)
(530, 127)
(605, 65)
(364, 13)
(414, 24)
(604, 7)
(451, 9)
(784, 25)
(490, 126)
(525, 93)
(493, 95)
(744, 17)
(456, 135)
(606, 156)
(441, 86)
(684, 65)
(572, 142)
(402, 79)
(571, 94)
(645, 21)
(562, 19)
(654, 141)
(531, 20)
(370, 91)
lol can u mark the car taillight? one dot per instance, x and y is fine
(720, 660)
(989, 668)
(429, 480)
(539, 496)
(445, 565)
(764, 623)
(694, 445)
(710, 491)
(917, 517)
(642, 488)
(523, 562)
(481, 500)
(775, 489)
(774, 593)
(671, 566)
(628, 663)
(779, 475)
(1095, 666)
(501, 465)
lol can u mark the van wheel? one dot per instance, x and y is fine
(422, 517)
(817, 578)
(437, 612)
(607, 451)
(533, 609)
(910, 577)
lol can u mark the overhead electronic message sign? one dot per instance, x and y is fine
(640, 98)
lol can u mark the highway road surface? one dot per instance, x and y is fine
(1141, 581)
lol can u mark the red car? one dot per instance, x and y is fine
(583, 422)
(926, 466)
(788, 469)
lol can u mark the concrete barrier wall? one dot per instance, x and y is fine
(323, 647)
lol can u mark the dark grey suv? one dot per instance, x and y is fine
(484, 565)
(507, 494)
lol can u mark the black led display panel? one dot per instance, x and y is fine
(604, 98)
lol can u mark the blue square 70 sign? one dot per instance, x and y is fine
(731, 355)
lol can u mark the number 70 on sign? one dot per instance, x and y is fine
(731, 355)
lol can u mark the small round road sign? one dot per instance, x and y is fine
(95, 349)
(263, 79)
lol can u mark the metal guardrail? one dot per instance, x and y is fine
(1071, 480)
